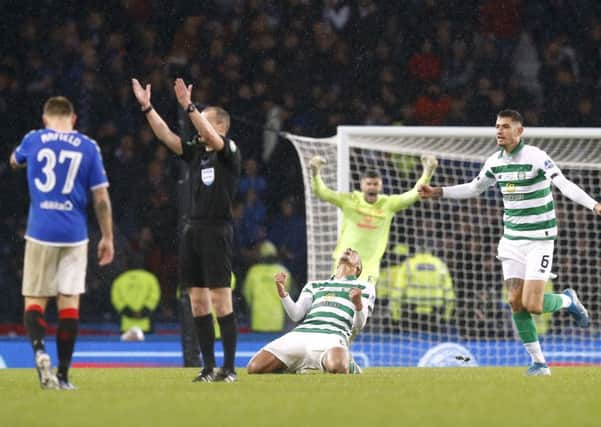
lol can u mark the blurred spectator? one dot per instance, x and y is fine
(457, 115)
(265, 305)
(561, 98)
(388, 286)
(501, 20)
(432, 108)
(587, 113)
(590, 52)
(458, 68)
(251, 180)
(297, 65)
(424, 290)
(135, 294)
(366, 25)
(288, 231)
(526, 66)
(254, 216)
(337, 13)
(425, 65)
(479, 108)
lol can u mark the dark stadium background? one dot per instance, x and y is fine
(299, 65)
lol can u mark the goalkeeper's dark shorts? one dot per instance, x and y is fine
(205, 256)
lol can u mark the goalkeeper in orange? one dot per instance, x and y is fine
(367, 214)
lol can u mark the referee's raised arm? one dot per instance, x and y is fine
(207, 132)
(156, 122)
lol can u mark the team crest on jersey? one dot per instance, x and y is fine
(510, 188)
(207, 176)
(548, 164)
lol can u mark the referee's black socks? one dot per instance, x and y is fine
(205, 331)
(229, 335)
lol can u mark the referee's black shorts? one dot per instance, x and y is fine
(205, 256)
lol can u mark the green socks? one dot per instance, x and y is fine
(551, 303)
(525, 326)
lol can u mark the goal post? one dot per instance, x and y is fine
(463, 234)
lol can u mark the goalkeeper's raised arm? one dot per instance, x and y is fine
(367, 214)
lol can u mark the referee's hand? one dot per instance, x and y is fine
(183, 93)
(280, 283)
(142, 94)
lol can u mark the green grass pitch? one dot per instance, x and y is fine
(484, 397)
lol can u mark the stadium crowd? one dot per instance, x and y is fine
(305, 66)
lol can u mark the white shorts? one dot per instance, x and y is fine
(301, 351)
(526, 259)
(50, 270)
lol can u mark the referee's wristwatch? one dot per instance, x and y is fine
(191, 108)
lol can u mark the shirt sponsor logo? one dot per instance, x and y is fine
(367, 222)
(207, 176)
(53, 205)
(514, 197)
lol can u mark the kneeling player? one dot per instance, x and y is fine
(332, 309)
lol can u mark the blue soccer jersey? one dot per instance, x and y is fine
(61, 168)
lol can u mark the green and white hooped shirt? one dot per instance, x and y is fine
(331, 310)
(524, 178)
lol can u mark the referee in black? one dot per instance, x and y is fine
(206, 245)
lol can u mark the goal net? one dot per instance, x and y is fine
(409, 321)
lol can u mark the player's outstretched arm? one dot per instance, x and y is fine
(576, 194)
(102, 208)
(156, 122)
(427, 191)
(183, 94)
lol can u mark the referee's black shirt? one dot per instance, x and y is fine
(213, 181)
